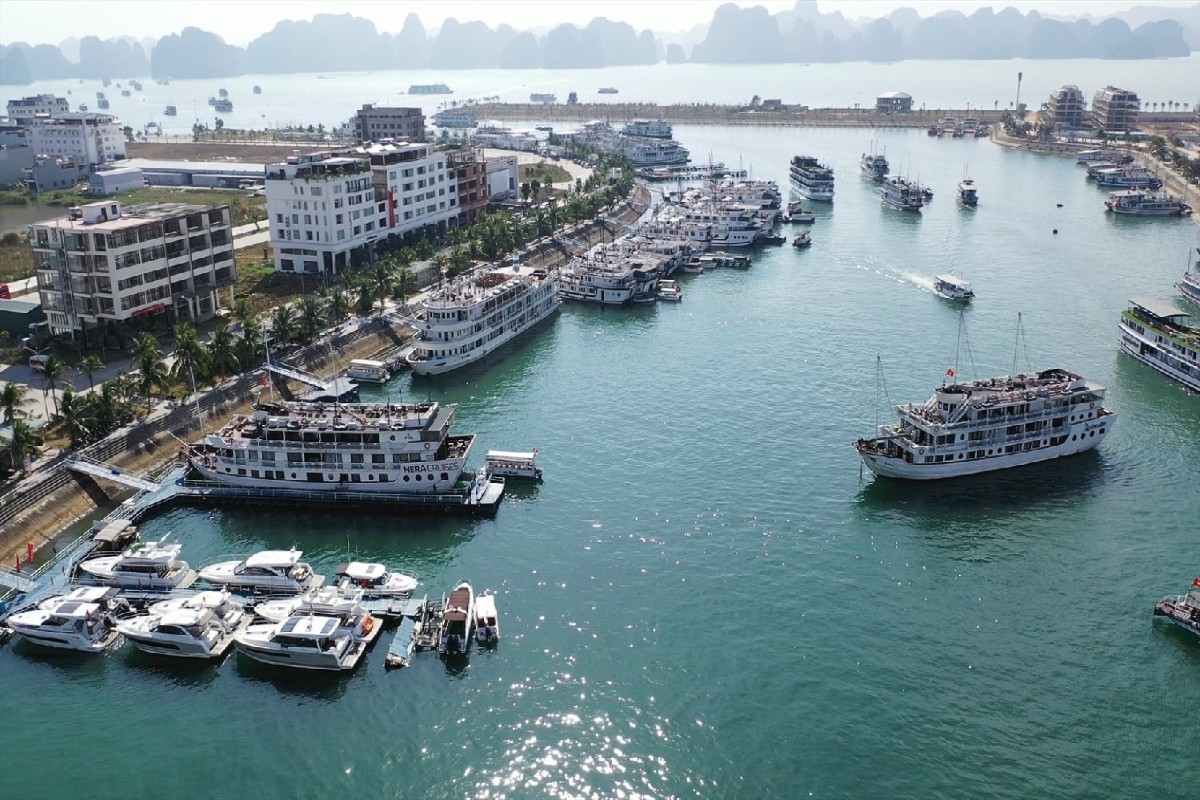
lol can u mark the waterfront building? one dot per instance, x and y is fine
(86, 138)
(376, 123)
(894, 103)
(47, 173)
(469, 168)
(148, 265)
(23, 111)
(493, 134)
(1066, 106)
(1115, 109)
(417, 183)
(502, 178)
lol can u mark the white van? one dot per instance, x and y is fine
(38, 362)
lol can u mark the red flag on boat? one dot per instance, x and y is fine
(262, 381)
(950, 373)
(1196, 582)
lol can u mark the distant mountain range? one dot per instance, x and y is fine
(331, 42)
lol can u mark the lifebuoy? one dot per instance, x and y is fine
(368, 625)
(921, 450)
(427, 445)
(1091, 405)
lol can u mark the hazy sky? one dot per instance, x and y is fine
(51, 21)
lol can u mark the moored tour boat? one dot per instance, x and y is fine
(979, 426)
(1137, 203)
(220, 603)
(458, 617)
(952, 287)
(268, 571)
(1182, 609)
(669, 290)
(151, 566)
(1158, 335)
(327, 601)
(365, 370)
(516, 464)
(1189, 286)
(968, 195)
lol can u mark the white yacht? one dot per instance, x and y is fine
(952, 287)
(653, 128)
(458, 618)
(343, 602)
(306, 642)
(968, 194)
(365, 370)
(376, 580)
(874, 166)
(812, 179)
(106, 597)
(367, 447)
(151, 566)
(69, 626)
(473, 316)
(220, 603)
(186, 633)
(1137, 203)
(1189, 286)
(979, 426)
(487, 620)
(268, 571)
(1158, 334)
(902, 194)
(515, 464)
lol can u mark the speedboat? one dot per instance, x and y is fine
(326, 601)
(307, 642)
(1183, 609)
(952, 288)
(270, 571)
(458, 616)
(150, 566)
(376, 580)
(487, 621)
(668, 289)
(219, 603)
(185, 633)
(69, 626)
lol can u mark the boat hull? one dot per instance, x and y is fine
(299, 660)
(1171, 609)
(1153, 357)
(59, 642)
(180, 648)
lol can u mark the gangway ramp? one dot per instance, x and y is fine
(99, 469)
(298, 375)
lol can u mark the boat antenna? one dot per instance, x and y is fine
(1020, 343)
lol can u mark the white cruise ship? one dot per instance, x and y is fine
(1133, 202)
(455, 118)
(812, 179)
(980, 426)
(1157, 334)
(874, 166)
(902, 194)
(643, 151)
(653, 128)
(600, 282)
(378, 447)
(1189, 286)
(472, 317)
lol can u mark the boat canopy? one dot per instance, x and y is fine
(363, 571)
(511, 456)
(1157, 308)
(274, 558)
(366, 363)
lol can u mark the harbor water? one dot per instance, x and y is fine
(707, 597)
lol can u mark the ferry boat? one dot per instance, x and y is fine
(1088, 157)
(430, 88)
(487, 621)
(512, 464)
(223, 106)
(70, 626)
(1128, 178)
(645, 151)
(606, 90)
(365, 370)
(812, 179)
(1157, 334)
(653, 128)
(376, 580)
(151, 566)
(979, 426)
(543, 97)
(968, 195)
(901, 194)
(470, 318)
(952, 288)
(307, 642)
(593, 282)
(186, 633)
(1189, 286)
(874, 167)
(455, 118)
(458, 617)
(170, 111)
(1146, 204)
(1182, 609)
(268, 571)
(318, 447)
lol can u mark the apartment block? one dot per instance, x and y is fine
(103, 266)
(377, 123)
(84, 137)
(470, 173)
(1066, 106)
(1115, 109)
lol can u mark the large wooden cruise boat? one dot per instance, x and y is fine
(1157, 334)
(470, 318)
(380, 447)
(812, 179)
(980, 426)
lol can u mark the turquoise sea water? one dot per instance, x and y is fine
(705, 598)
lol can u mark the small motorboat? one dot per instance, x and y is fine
(669, 290)
(1183, 609)
(952, 288)
(376, 580)
(772, 238)
(458, 617)
(514, 464)
(802, 239)
(801, 218)
(487, 621)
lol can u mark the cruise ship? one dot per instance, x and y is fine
(223, 105)
(597, 282)
(653, 128)
(1133, 202)
(455, 118)
(812, 179)
(430, 88)
(1189, 286)
(730, 224)
(1157, 334)
(902, 194)
(643, 151)
(979, 426)
(874, 166)
(471, 317)
(377, 447)
(1127, 178)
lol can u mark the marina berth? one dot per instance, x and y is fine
(307, 642)
(811, 179)
(902, 194)
(1182, 609)
(383, 448)
(952, 287)
(150, 566)
(365, 370)
(1158, 335)
(268, 571)
(375, 580)
(185, 633)
(471, 317)
(85, 627)
(979, 426)
(1134, 202)
(516, 464)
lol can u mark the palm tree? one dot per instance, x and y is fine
(12, 397)
(251, 343)
(441, 263)
(365, 301)
(222, 351)
(76, 417)
(311, 317)
(23, 443)
(52, 373)
(153, 370)
(89, 365)
(459, 260)
(241, 308)
(339, 307)
(283, 324)
(190, 356)
(381, 275)
(406, 282)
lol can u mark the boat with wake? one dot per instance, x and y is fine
(952, 287)
(904, 195)
(874, 166)
(968, 194)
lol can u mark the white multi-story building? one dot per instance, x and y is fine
(502, 178)
(85, 137)
(328, 209)
(24, 110)
(144, 266)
